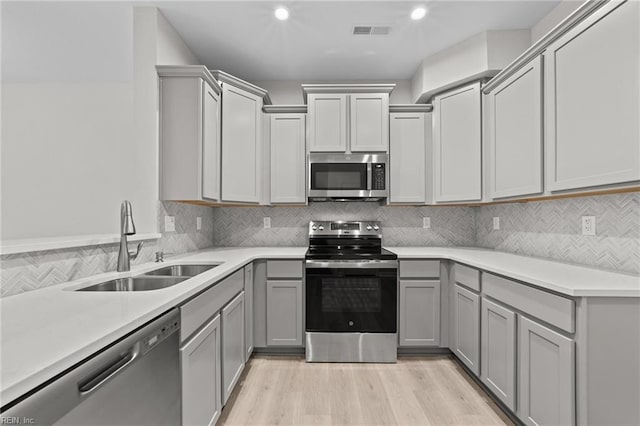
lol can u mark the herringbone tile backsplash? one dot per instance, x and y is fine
(29, 271)
(552, 229)
(450, 226)
(549, 229)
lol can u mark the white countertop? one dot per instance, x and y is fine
(568, 279)
(44, 332)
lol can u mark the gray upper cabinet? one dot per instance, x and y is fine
(241, 139)
(189, 134)
(248, 311)
(288, 161)
(348, 118)
(514, 126)
(369, 122)
(419, 313)
(457, 139)
(200, 370)
(327, 122)
(498, 351)
(410, 159)
(592, 100)
(546, 376)
(466, 327)
(233, 344)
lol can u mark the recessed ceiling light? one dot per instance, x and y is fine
(418, 13)
(282, 13)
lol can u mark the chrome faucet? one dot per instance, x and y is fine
(127, 227)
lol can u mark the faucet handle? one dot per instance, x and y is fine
(159, 256)
(134, 254)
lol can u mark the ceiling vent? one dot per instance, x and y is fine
(371, 30)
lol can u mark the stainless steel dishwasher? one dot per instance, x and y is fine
(135, 381)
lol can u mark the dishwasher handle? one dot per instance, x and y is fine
(108, 372)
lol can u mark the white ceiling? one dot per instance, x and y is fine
(244, 38)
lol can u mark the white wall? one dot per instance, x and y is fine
(289, 92)
(79, 129)
(546, 24)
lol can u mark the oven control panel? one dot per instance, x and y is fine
(345, 228)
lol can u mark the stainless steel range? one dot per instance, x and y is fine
(351, 294)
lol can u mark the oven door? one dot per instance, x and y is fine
(351, 296)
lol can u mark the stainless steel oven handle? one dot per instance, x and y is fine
(365, 264)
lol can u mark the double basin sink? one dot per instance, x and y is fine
(153, 280)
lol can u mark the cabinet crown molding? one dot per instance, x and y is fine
(579, 15)
(410, 108)
(286, 109)
(189, 71)
(309, 88)
(224, 77)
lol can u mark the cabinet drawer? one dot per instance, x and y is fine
(550, 308)
(419, 269)
(194, 313)
(284, 269)
(466, 276)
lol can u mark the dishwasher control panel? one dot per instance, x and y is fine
(160, 334)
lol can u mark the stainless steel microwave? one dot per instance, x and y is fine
(348, 177)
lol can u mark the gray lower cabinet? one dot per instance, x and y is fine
(201, 384)
(546, 375)
(248, 311)
(466, 327)
(233, 348)
(498, 350)
(419, 312)
(284, 312)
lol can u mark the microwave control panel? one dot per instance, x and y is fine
(378, 177)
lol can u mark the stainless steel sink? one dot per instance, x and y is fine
(180, 270)
(141, 283)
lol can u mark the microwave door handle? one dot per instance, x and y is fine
(369, 177)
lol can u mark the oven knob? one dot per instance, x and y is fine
(313, 228)
(376, 227)
(368, 227)
(321, 228)
(350, 323)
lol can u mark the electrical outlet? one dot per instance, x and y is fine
(169, 224)
(588, 225)
(198, 223)
(426, 222)
(496, 223)
(267, 222)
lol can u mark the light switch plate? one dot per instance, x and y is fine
(588, 225)
(426, 222)
(198, 223)
(169, 224)
(267, 222)
(496, 223)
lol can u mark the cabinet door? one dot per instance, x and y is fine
(284, 313)
(288, 161)
(233, 349)
(457, 145)
(241, 129)
(498, 349)
(515, 134)
(466, 334)
(592, 100)
(210, 144)
(369, 122)
(200, 369)
(408, 165)
(327, 123)
(546, 376)
(248, 317)
(419, 312)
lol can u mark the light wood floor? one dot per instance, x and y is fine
(285, 390)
